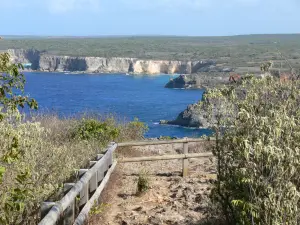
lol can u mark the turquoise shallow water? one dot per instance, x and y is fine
(127, 97)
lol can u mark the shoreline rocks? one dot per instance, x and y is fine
(199, 81)
(195, 115)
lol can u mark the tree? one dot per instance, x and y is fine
(11, 87)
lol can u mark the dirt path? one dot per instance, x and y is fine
(171, 199)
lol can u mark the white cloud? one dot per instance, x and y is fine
(164, 5)
(62, 6)
(11, 3)
(53, 6)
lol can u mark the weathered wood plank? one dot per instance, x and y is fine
(166, 157)
(82, 217)
(99, 156)
(82, 171)
(58, 209)
(185, 161)
(68, 187)
(46, 207)
(84, 195)
(143, 143)
(93, 182)
(69, 214)
(92, 163)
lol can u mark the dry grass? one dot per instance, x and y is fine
(52, 155)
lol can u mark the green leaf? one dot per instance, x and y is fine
(2, 171)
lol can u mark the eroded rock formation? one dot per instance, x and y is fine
(43, 61)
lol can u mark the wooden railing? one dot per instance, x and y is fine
(185, 156)
(85, 193)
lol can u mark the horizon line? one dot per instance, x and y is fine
(139, 35)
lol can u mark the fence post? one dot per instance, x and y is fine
(69, 214)
(185, 162)
(45, 208)
(84, 194)
(94, 178)
(99, 156)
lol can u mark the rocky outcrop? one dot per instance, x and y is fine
(84, 64)
(201, 115)
(195, 115)
(46, 62)
(202, 81)
(26, 56)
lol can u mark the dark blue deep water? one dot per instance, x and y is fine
(127, 97)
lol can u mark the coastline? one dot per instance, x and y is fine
(100, 73)
(44, 62)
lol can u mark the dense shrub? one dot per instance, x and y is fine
(258, 151)
(88, 129)
(133, 130)
(143, 182)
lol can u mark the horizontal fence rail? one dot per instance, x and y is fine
(166, 157)
(82, 217)
(144, 143)
(185, 156)
(86, 192)
(91, 178)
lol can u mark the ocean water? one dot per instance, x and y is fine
(124, 96)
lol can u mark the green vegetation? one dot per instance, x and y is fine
(258, 151)
(92, 129)
(97, 209)
(12, 81)
(143, 182)
(38, 154)
(236, 51)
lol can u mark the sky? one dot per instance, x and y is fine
(148, 17)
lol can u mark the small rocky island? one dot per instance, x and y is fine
(195, 115)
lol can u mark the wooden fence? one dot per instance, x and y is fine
(185, 156)
(80, 197)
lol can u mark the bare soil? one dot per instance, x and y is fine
(171, 198)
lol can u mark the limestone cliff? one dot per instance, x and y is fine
(46, 62)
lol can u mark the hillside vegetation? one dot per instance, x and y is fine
(237, 51)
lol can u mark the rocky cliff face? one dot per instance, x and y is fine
(46, 62)
(195, 115)
(26, 56)
(201, 81)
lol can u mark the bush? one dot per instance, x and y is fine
(89, 129)
(133, 130)
(258, 151)
(143, 183)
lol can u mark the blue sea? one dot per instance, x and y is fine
(127, 97)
